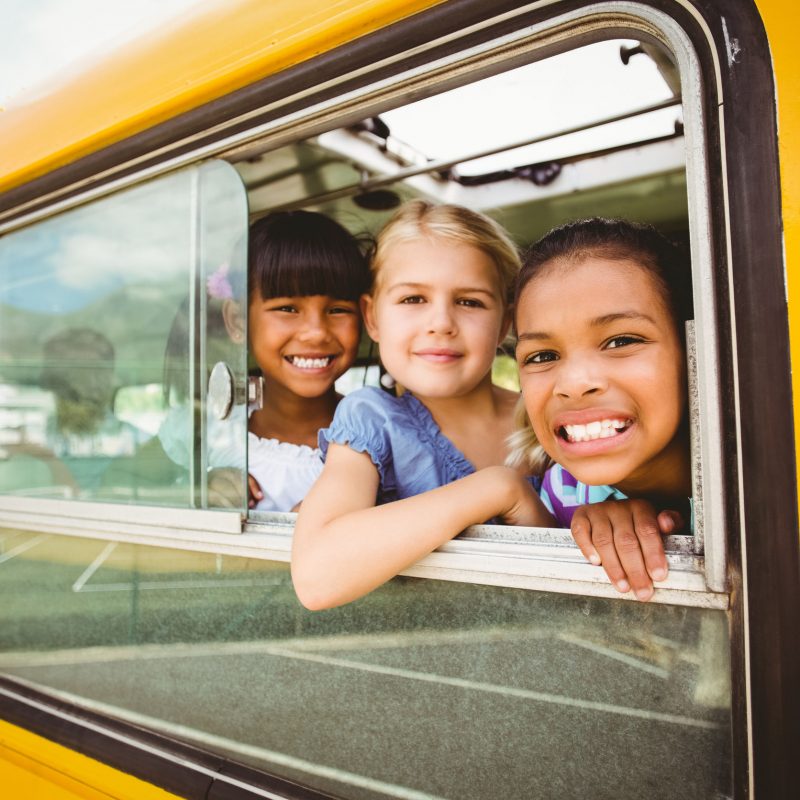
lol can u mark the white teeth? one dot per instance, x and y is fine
(311, 363)
(599, 429)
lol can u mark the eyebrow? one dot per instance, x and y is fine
(597, 322)
(467, 289)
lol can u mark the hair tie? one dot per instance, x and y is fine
(218, 285)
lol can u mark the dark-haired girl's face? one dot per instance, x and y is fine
(602, 370)
(303, 344)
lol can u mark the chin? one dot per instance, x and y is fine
(596, 474)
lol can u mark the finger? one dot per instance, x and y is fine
(647, 529)
(670, 522)
(581, 530)
(603, 540)
(629, 551)
(255, 488)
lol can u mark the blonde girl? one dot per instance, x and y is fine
(405, 474)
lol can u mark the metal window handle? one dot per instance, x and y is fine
(255, 391)
(221, 390)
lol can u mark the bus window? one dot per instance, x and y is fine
(424, 688)
(606, 139)
(105, 299)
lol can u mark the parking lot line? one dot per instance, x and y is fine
(93, 567)
(21, 548)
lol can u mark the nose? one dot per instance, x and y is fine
(315, 327)
(442, 318)
(579, 376)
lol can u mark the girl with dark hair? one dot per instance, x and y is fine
(600, 312)
(306, 274)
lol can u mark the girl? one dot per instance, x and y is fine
(603, 379)
(306, 274)
(400, 475)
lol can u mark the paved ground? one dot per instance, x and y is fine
(424, 689)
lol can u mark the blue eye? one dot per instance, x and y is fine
(471, 302)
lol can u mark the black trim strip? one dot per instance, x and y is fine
(176, 767)
(765, 405)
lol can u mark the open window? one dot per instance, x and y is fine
(598, 129)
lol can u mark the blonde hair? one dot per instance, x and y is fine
(454, 223)
(524, 450)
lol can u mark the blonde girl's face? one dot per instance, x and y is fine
(602, 372)
(438, 316)
(303, 344)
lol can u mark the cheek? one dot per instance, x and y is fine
(534, 395)
(664, 380)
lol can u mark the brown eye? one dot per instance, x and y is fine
(622, 341)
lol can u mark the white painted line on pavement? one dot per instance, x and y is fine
(93, 567)
(240, 748)
(624, 658)
(21, 548)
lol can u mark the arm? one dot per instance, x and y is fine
(345, 546)
(625, 537)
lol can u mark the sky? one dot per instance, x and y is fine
(43, 38)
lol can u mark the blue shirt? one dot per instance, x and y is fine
(399, 434)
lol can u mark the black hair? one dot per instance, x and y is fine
(617, 240)
(302, 253)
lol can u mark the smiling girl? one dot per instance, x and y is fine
(405, 474)
(306, 274)
(600, 313)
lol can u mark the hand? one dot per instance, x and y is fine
(254, 493)
(524, 506)
(225, 488)
(625, 537)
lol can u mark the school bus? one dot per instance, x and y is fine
(151, 644)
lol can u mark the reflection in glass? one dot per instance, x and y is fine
(421, 689)
(88, 304)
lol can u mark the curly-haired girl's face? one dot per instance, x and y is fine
(602, 371)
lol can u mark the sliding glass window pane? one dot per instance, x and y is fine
(100, 311)
(423, 689)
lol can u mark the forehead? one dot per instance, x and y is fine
(599, 284)
(438, 260)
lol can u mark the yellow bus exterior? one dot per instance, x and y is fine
(221, 48)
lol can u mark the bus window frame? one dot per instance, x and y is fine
(543, 559)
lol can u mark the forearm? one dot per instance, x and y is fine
(337, 559)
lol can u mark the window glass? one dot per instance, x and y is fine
(422, 689)
(107, 335)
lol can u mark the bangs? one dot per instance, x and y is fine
(300, 253)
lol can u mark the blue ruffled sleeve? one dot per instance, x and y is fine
(362, 422)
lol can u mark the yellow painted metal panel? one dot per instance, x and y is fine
(780, 17)
(223, 46)
(34, 767)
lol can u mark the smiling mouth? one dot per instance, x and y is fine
(599, 429)
(302, 362)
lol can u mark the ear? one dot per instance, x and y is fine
(367, 303)
(234, 320)
(505, 326)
